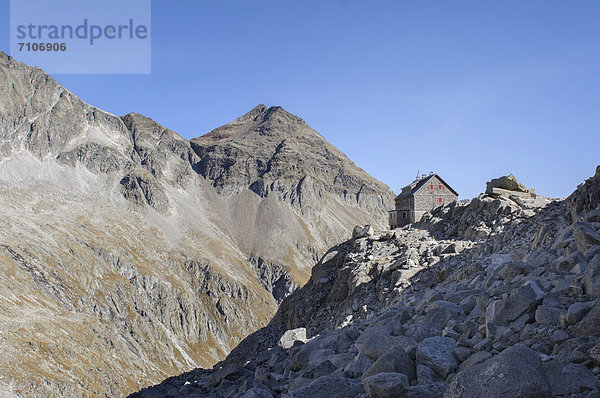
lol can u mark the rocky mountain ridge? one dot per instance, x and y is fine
(123, 262)
(496, 297)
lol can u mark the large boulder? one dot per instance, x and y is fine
(358, 366)
(438, 353)
(362, 232)
(426, 375)
(594, 354)
(585, 198)
(567, 378)
(577, 311)
(337, 341)
(509, 183)
(386, 385)
(516, 372)
(440, 312)
(524, 299)
(319, 356)
(548, 315)
(376, 341)
(585, 236)
(590, 323)
(323, 368)
(591, 281)
(291, 336)
(396, 360)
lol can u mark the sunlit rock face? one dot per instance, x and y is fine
(130, 254)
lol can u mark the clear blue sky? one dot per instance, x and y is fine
(469, 89)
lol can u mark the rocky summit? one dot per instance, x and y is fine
(496, 297)
(130, 254)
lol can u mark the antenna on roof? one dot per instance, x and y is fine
(431, 173)
(418, 171)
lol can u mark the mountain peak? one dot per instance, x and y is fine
(262, 113)
(255, 112)
(224, 228)
(254, 122)
(271, 144)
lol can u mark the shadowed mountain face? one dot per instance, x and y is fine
(129, 254)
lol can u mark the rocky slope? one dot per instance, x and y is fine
(129, 254)
(498, 297)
